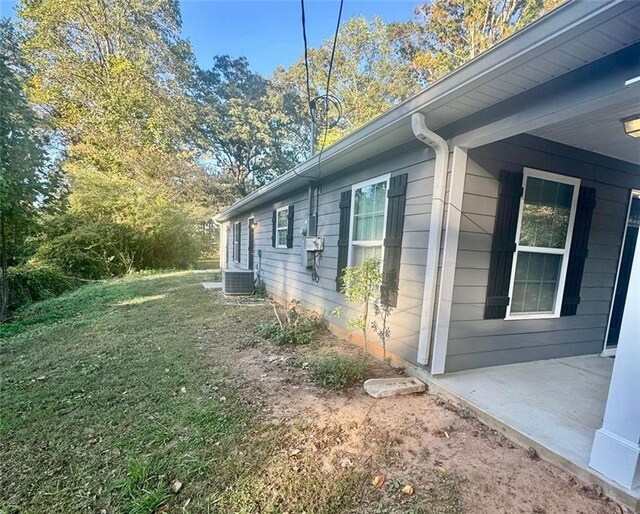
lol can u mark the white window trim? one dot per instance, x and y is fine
(545, 175)
(286, 228)
(377, 180)
(236, 256)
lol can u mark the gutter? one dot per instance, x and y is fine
(433, 140)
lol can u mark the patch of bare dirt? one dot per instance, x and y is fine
(454, 463)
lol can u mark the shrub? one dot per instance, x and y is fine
(28, 284)
(337, 371)
(105, 248)
(113, 226)
(361, 284)
(297, 328)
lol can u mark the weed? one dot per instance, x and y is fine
(260, 289)
(297, 328)
(142, 491)
(336, 371)
(148, 501)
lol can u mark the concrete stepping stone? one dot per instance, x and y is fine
(212, 285)
(385, 387)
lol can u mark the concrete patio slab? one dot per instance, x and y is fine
(554, 406)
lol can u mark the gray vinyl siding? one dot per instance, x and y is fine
(287, 278)
(475, 342)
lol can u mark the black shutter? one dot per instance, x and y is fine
(579, 251)
(274, 221)
(343, 236)
(393, 239)
(290, 227)
(504, 245)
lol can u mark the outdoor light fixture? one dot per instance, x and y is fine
(632, 125)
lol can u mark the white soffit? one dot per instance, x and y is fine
(600, 131)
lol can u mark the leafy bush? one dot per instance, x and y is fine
(114, 226)
(337, 371)
(28, 284)
(361, 284)
(105, 249)
(297, 328)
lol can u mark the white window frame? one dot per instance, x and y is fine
(285, 228)
(553, 177)
(380, 242)
(237, 257)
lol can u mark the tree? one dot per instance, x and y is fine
(22, 159)
(361, 284)
(245, 126)
(110, 75)
(369, 76)
(445, 34)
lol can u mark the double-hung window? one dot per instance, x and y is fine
(368, 220)
(236, 241)
(282, 227)
(543, 241)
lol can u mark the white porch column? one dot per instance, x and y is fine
(616, 448)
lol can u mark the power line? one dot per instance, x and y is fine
(306, 58)
(327, 99)
(337, 102)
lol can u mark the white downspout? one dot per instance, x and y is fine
(430, 138)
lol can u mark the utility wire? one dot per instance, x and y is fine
(333, 53)
(306, 68)
(306, 59)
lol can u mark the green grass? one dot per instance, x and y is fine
(112, 391)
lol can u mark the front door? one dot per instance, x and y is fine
(629, 253)
(250, 245)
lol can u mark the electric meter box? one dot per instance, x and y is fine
(313, 244)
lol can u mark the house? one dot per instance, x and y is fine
(504, 203)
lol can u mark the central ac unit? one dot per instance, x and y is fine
(235, 281)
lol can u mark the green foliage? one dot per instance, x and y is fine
(113, 228)
(297, 328)
(260, 289)
(381, 328)
(112, 78)
(29, 283)
(244, 127)
(445, 34)
(22, 160)
(368, 75)
(361, 284)
(338, 371)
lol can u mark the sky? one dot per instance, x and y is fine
(267, 32)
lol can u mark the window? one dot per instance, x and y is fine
(368, 220)
(236, 241)
(282, 227)
(543, 240)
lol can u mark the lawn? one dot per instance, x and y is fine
(107, 398)
(148, 394)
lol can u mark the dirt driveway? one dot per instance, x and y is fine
(453, 462)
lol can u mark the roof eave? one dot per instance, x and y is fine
(524, 45)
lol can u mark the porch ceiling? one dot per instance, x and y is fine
(599, 131)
